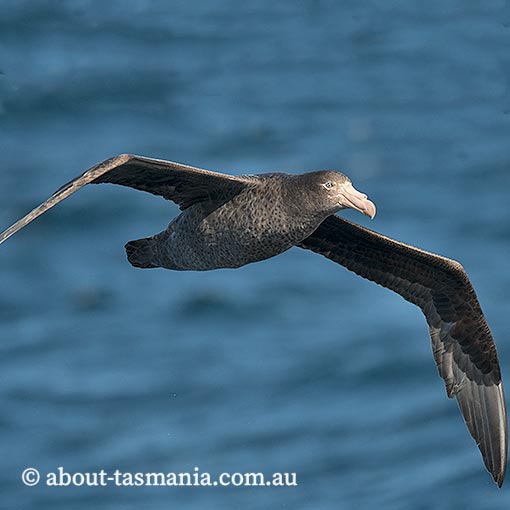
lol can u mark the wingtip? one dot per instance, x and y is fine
(499, 477)
(8, 233)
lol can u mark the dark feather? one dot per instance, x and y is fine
(462, 343)
(182, 184)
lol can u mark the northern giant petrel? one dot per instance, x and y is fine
(229, 221)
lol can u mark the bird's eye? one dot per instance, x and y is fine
(329, 185)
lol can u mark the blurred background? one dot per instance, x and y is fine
(292, 364)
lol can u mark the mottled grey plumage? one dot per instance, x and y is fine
(229, 221)
(269, 215)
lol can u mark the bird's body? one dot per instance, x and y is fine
(229, 221)
(265, 219)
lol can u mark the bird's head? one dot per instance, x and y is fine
(333, 191)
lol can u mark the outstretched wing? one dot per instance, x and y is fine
(462, 343)
(182, 184)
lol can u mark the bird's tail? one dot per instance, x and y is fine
(143, 252)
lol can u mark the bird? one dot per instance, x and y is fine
(229, 221)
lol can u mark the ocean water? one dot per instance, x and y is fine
(288, 365)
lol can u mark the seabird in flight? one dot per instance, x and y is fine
(229, 221)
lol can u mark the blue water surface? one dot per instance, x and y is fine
(292, 364)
